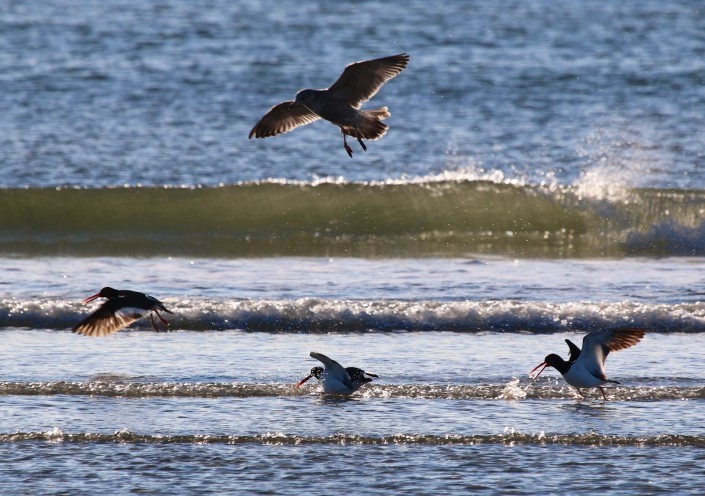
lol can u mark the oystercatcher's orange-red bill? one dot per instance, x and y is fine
(303, 380)
(544, 365)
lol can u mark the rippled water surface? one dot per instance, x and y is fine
(542, 177)
(166, 92)
(457, 409)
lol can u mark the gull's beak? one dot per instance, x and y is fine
(544, 365)
(301, 382)
(371, 375)
(91, 298)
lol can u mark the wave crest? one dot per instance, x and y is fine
(313, 315)
(56, 435)
(444, 216)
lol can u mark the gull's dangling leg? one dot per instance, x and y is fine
(359, 140)
(345, 143)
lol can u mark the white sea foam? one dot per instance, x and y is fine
(321, 315)
(513, 390)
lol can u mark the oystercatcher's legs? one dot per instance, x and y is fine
(164, 321)
(603, 392)
(154, 324)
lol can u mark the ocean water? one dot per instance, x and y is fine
(543, 177)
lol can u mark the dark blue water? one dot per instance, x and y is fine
(109, 93)
(542, 176)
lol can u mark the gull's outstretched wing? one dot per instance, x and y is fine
(361, 81)
(283, 118)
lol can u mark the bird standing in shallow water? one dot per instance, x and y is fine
(586, 368)
(335, 378)
(339, 104)
(122, 309)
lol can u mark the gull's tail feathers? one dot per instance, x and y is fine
(370, 126)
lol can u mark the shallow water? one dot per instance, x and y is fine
(449, 407)
(542, 177)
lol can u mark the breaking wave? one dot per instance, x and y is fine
(314, 315)
(435, 217)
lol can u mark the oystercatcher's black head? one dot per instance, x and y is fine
(106, 292)
(554, 361)
(557, 363)
(316, 372)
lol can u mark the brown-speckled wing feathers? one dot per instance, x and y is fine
(362, 80)
(283, 118)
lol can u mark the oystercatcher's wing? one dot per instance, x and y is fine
(333, 368)
(574, 351)
(107, 320)
(597, 345)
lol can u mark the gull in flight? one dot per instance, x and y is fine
(339, 104)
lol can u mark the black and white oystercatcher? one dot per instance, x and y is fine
(339, 104)
(335, 378)
(122, 309)
(586, 368)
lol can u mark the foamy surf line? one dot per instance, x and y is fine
(313, 315)
(512, 390)
(56, 435)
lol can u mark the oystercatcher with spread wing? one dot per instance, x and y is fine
(122, 309)
(586, 368)
(336, 379)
